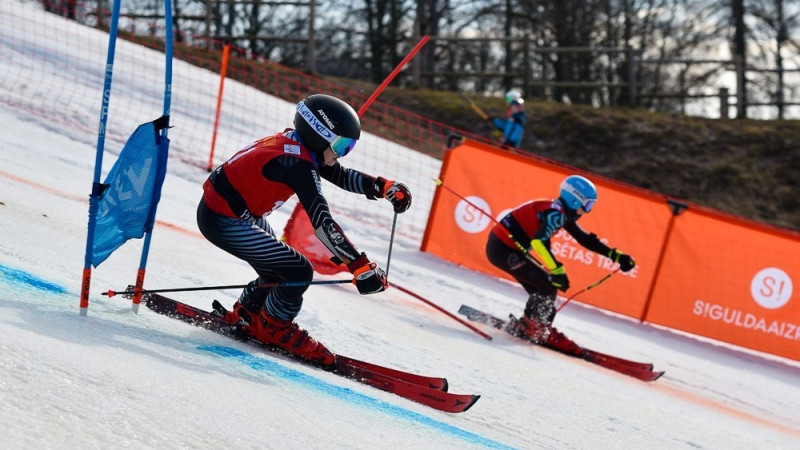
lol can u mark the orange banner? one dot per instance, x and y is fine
(730, 281)
(498, 181)
(699, 271)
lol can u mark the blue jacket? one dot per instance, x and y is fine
(512, 127)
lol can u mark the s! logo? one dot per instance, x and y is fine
(771, 288)
(471, 219)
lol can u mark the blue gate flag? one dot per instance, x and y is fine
(130, 194)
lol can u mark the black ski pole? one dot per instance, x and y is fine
(391, 241)
(129, 292)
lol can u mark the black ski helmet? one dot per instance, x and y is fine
(321, 119)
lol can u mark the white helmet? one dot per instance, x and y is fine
(514, 97)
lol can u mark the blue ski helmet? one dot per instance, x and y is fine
(578, 192)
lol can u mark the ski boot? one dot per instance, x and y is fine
(529, 329)
(545, 335)
(286, 335)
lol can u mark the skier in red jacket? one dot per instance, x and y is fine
(530, 227)
(243, 191)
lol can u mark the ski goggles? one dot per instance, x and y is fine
(343, 145)
(339, 144)
(589, 205)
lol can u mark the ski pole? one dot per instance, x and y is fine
(391, 241)
(475, 107)
(593, 285)
(129, 292)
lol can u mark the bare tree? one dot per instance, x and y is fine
(739, 56)
(583, 51)
(771, 39)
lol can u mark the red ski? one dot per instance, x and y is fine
(429, 391)
(638, 370)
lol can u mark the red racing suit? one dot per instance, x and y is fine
(259, 178)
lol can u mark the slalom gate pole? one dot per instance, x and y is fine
(372, 99)
(591, 286)
(391, 76)
(127, 292)
(94, 198)
(446, 312)
(222, 72)
(391, 242)
(168, 52)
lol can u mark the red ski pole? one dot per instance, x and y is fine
(446, 312)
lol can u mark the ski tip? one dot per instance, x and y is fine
(475, 398)
(657, 375)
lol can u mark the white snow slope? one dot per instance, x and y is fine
(115, 379)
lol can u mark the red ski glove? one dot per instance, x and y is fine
(398, 194)
(367, 276)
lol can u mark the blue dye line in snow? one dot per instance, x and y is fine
(21, 277)
(272, 367)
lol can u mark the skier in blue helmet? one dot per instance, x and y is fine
(531, 226)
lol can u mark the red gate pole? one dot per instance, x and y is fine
(224, 70)
(391, 76)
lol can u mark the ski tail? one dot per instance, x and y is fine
(435, 383)
(441, 400)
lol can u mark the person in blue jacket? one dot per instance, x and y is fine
(514, 123)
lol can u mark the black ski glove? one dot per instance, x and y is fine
(559, 279)
(626, 262)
